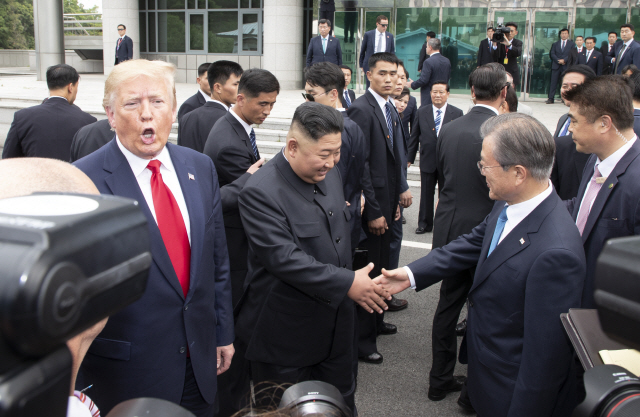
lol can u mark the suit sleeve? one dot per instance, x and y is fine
(393, 45)
(516, 49)
(229, 193)
(272, 241)
(129, 48)
(232, 163)
(554, 285)
(74, 147)
(425, 75)
(12, 147)
(636, 56)
(478, 58)
(339, 52)
(414, 140)
(421, 58)
(552, 53)
(310, 53)
(363, 50)
(599, 66)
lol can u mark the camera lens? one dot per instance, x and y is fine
(625, 404)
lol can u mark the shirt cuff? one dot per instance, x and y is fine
(411, 278)
(494, 47)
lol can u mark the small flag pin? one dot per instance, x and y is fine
(522, 241)
(192, 177)
(610, 185)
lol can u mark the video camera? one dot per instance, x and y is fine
(500, 32)
(611, 390)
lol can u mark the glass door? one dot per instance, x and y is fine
(368, 22)
(250, 37)
(197, 30)
(412, 25)
(345, 28)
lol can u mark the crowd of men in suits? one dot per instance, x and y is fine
(262, 272)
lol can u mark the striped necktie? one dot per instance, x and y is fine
(624, 46)
(346, 98)
(252, 138)
(387, 108)
(438, 120)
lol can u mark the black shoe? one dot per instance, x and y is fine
(437, 394)
(464, 402)
(387, 328)
(397, 304)
(549, 101)
(461, 328)
(423, 230)
(375, 357)
(404, 221)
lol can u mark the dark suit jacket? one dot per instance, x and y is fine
(190, 104)
(568, 165)
(607, 68)
(369, 47)
(615, 211)
(229, 148)
(195, 126)
(45, 130)
(423, 56)
(352, 97)
(464, 197)
(295, 311)
(557, 53)
(329, 6)
(142, 351)
(436, 68)
(516, 347)
(90, 138)
(424, 134)
(630, 56)
(512, 55)
(485, 53)
(409, 115)
(316, 54)
(385, 164)
(125, 52)
(596, 61)
(636, 122)
(577, 58)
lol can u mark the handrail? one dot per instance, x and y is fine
(81, 25)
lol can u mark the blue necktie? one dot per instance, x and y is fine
(252, 137)
(387, 108)
(346, 98)
(324, 45)
(438, 119)
(565, 128)
(502, 220)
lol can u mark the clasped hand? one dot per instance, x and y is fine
(368, 295)
(393, 281)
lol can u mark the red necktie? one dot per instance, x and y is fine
(171, 225)
(119, 40)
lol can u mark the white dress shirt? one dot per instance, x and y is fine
(382, 102)
(579, 50)
(75, 408)
(64, 98)
(381, 37)
(206, 97)
(488, 107)
(605, 167)
(169, 177)
(247, 127)
(626, 48)
(221, 103)
(589, 52)
(443, 109)
(516, 213)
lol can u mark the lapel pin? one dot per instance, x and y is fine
(192, 177)
(522, 241)
(610, 185)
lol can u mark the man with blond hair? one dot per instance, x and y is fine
(172, 342)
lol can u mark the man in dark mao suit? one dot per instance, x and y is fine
(593, 57)
(464, 202)
(436, 68)
(569, 163)
(374, 113)
(172, 342)
(530, 268)
(324, 48)
(374, 41)
(46, 130)
(194, 128)
(90, 138)
(297, 310)
(607, 132)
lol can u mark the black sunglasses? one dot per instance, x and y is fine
(383, 25)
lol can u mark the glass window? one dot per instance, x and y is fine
(250, 32)
(170, 4)
(142, 5)
(635, 21)
(599, 23)
(143, 32)
(547, 31)
(245, 4)
(152, 31)
(151, 4)
(412, 25)
(461, 36)
(222, 4)
(202, 4)
(520, 19)
(223, 32)
(171, 32)
(345, 28)
(196, 32)
(191, 4)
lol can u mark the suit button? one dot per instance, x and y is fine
(331, 213)
(338, 240)
(470, 303)
(315, 191)
(186, 307)
(183, 349)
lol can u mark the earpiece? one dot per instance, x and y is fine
(602, 124)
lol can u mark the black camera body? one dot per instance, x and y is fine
(500, 32)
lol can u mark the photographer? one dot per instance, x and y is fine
(508, 51)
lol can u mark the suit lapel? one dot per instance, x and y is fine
(242, 135)
(381, 119)
(123, 183)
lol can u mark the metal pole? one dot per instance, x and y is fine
(49, 35)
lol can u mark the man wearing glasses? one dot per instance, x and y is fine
(124, 46)
(374, 41)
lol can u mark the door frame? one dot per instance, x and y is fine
(205, 29)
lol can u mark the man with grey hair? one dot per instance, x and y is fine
(530, 267)
(297, 310)
(436, 68)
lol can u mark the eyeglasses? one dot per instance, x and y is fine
(310, 97)
(481, 167)
(383, 25)
(120, 30)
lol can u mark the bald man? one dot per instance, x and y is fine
(24, 176)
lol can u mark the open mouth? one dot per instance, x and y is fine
(148, 136)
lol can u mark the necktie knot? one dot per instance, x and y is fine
(154, 166)
(438, 112)
(503, 215)
(596, 173)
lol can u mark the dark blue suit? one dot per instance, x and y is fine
(436, 68)
(615, 211)
(520, 360)
(636, 121)
(316, 54)
(595, 62)
(124, 52)
(630, 56)
(557, 53)
(368, 48)
(142, 351)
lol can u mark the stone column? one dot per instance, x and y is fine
(49, 35)
(282, 50)
(114, 13)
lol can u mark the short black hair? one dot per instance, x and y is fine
(580, 69)
(324, 21)
(512, 24)
(563, 30)
(488, 81)
(203, 68)
(316, 120)
(580, 36)
(255, 81)
(634, 80)
(615, 33)
(512, 100)
(431, 34)
(592, 38)
(627, 25)
(123, 26)
(384, 57)
(326, 75)
(347, 68)
(489, 28)
(441, 82)
(61, 75)
(405, 92)
(629, 67)
(220, 71)
(381, 17)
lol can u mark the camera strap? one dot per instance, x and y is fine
(506, 52)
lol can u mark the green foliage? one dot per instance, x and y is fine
(16, 24)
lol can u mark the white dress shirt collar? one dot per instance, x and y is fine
(605, 167)
(381, 101)
(221, 103)
(434, 52)
(138, 165)
(206, 97)
(488, 107)
(516, 213)
(244, 124)
(443, 109)
(64, 98)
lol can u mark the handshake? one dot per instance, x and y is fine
(370, 294)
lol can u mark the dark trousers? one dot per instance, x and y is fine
(192, 400)
(427, 191)
(350, 19)
(444, 343)
(555, 75)
(234, 386)
(328, 15)
(396, 242)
